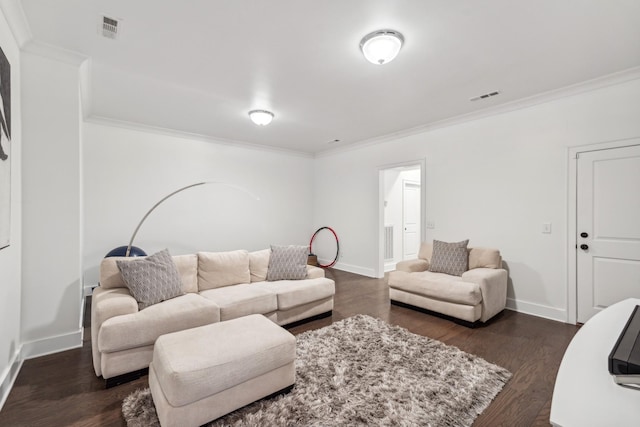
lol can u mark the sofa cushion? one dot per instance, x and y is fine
(426, 251)
(437, 285)
(258, 264)
(449, 258)
(410, 265)
(188, 268)
(314, 272)
(242, 300)
(110, 277)
(484, 257)
(151, 279)
(144, 327)
(217, 269)
(288, 262)
(293, 293)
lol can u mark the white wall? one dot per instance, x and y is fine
(127, 170)
(10, 258)
(493, 180)
(51, 273)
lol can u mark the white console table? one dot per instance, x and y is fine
(585, 394)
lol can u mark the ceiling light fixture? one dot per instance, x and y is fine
(261, 117)
(382, 46)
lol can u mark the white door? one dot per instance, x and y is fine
(608, 228)
(411, 219)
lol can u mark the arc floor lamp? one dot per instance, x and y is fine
(133, 251)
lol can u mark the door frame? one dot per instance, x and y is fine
(422, 163)
(572, 197)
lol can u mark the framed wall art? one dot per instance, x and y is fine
(5, 150)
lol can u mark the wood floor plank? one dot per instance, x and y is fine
(62, 389)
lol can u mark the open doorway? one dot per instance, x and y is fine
(402, 213)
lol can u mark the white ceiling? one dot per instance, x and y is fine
(199, 66)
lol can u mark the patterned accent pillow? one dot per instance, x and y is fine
(152, 279)
(288, 263)
(450, 258)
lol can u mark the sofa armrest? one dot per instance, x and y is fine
(493, 285)
(413, 265)
(105, 304)
(314, 272)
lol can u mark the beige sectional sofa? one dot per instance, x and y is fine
(217, 287)
(477, 295)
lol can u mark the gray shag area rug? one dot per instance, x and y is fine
(363, 371)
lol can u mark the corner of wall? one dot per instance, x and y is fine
(50, 345)
(51, 316)
(539, 310)
(8, 377)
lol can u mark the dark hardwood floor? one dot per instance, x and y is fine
(62, 389)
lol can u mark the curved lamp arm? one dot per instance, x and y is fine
(135, 232)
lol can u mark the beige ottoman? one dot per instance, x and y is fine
(200, 374)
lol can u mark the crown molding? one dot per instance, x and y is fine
(54, 52)
(541, 98)
(17, 20)
(107, 121)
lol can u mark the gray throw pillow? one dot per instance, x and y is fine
(449, 258)
(151, 279)
(288, 263)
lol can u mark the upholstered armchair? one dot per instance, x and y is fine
(476, 294)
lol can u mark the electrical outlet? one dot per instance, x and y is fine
(431, 224)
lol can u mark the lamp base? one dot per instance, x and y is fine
(122, 251)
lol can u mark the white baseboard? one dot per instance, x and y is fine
(363, 271)
(389, 266)
(539, 310)
(51, 345)
(9, 376)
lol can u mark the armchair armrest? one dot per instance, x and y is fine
(314, 272)
(493, 285)
(413, 265)
(105, 304)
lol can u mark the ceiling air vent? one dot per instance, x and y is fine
(485, 96)
(110, 27)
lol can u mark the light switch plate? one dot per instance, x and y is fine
(546, 227)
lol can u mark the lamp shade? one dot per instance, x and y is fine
(122, 251)
(261, 117)
(382, 46)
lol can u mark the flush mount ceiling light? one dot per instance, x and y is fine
(261, 117)
(380, 47)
